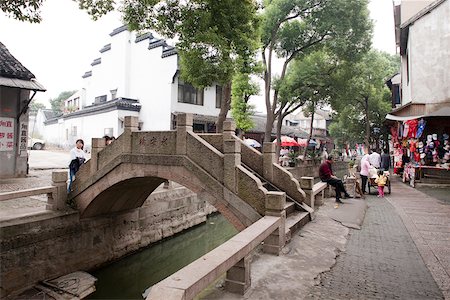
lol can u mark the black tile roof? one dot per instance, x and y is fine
(10, 67)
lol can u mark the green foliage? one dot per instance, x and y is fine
(35, 106)
(58, 102)
(309, 80)
(295, 28)
(241, 90)
(29, 10)
(362, 98)
(211, 34)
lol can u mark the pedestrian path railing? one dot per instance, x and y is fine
(56, 193)
(233, 257)
(27, 193)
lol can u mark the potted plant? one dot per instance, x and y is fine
(292, 159)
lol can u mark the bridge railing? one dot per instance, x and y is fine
(56, 193)
(233, 257)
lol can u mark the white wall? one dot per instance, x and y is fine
(208, 107)
(429, 52)
(137, 73)
(88, 127)
(151, 83)
(410, 8)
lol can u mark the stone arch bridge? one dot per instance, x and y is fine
(242, 183)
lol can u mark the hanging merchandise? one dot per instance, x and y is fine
(394, 133)
(405, 129)
(420, 128)
(412, 128)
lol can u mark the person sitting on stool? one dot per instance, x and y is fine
(326, 175)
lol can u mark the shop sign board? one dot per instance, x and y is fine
(6, 134)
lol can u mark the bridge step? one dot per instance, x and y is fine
(289, 207)
(294, 222)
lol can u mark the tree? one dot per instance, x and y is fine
(292, 28)
(211, 34)
(363, 95)
(241, 90)
(29, 10)
(308, 83)
(35, 106)
(212, 37)
(58, 102)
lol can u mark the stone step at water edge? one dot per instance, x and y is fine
(295, 222)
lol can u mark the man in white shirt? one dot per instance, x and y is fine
(375, 159)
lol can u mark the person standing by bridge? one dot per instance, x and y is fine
(77, 158)
(326, 175)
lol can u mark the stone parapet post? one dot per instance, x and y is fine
(58, 200)
(229, 128)
(232, 159)
(98, 144)
(238, 277)
(184, 125)
(269, 158)
(275, 206)
(307, 184)
(131, 124)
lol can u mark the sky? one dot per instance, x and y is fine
(60, 49)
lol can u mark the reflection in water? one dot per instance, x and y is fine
(132, 275)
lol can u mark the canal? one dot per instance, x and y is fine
(129, 277)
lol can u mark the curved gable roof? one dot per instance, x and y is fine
(10, 67)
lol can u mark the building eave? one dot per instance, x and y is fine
(32, 84)
(123, 104)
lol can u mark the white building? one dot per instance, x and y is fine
(134, 75)
(304, 122)
(423, 38)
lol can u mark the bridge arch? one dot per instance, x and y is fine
(129, 184)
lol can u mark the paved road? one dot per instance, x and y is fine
(49, 159)
(381, 261)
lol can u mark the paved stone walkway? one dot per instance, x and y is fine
(381, 262)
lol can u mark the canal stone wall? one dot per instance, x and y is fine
(56, 243)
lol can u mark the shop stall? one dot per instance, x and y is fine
(421, 148)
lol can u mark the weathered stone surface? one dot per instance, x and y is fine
(59, 176)
(307, 182)
(73, 243)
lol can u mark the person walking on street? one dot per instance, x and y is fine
(77, 158)
(385, 160)
(375, 159)
(381, 182)
(326, 175)
(365, 165)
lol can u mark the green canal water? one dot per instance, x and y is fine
(129, 277)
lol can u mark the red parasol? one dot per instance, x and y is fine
(287, 141)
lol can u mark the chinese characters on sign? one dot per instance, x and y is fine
(152, 141)
(23, 137)
(6, 134)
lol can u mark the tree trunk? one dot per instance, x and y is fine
(279, 126)
(310, 132)
(224, 107)
(366, 117)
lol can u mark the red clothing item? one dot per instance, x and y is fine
(325, 171)
(412, 129)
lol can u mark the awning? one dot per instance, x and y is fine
(32, 84)
(398, 118)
